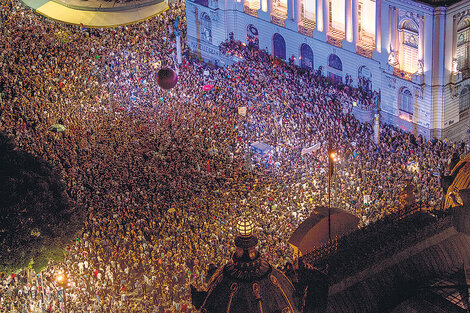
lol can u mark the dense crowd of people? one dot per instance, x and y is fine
(164, 175)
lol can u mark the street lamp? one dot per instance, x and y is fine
(332, 159)
(61, 279)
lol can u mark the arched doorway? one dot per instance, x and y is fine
(364, 77)
(306, 56)
(279, 46)
(206, 27)
(335, 68)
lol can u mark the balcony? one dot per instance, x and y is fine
(365, 45)
(364, 50)
(306, 27)
(251, 9)
(402, 74)
(335, 37)
(278, 19)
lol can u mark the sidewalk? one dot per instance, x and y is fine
(97, 13)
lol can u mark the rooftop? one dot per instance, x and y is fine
(439, 3)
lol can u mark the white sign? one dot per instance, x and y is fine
(313, 148)
(242, 111)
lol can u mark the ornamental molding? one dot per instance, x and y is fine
(391, 82)
(454, 90)
(414, 5)
(418, 92)
(462, 15)
(407, 15)
(214, 15)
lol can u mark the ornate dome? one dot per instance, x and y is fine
(247, 284)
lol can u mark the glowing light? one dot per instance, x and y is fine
(334, 156)
(245, 227)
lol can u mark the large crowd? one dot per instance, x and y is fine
(164, 175)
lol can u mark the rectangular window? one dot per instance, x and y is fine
(308, 9)
(463, 49)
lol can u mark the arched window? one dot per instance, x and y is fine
(409, 38)
(306, 56)
(463, 44)
(464, 100)
(279, 46)
(335, 62)
(206, 27)
(406, 101)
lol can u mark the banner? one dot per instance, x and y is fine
(313, 148)
(207, 87)
(413, 167)
(242, 111)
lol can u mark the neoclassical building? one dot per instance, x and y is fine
(417, 53)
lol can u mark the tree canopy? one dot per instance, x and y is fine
(37, 218)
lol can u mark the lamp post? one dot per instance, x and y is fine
(61, 279)
(332, 159)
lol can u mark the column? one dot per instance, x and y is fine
(454, 44)
(326, 16)
(348, 20)
(378, 29)
(319, 15)
(355, 26)
(394, 30)
(421, 43)
(264, 5)
(297, 11)
(290, 10)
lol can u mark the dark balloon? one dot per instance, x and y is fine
(167, 78)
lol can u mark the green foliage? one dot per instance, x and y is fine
(37, 218)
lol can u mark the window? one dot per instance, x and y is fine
(337, 11)
(280, 6)
(306, 56)
(308, 9)
(335, 62)
(206, 27)
(279, 46)
(463, 44)
(366, 20)
(406, 101)
(253, 4)
(464, 100)
(409, 47)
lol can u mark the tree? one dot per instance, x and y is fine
(37, 218)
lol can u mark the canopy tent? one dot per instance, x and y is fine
(313, 232)
(57, 128)
(260, 148)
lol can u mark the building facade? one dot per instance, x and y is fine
(417, 53)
